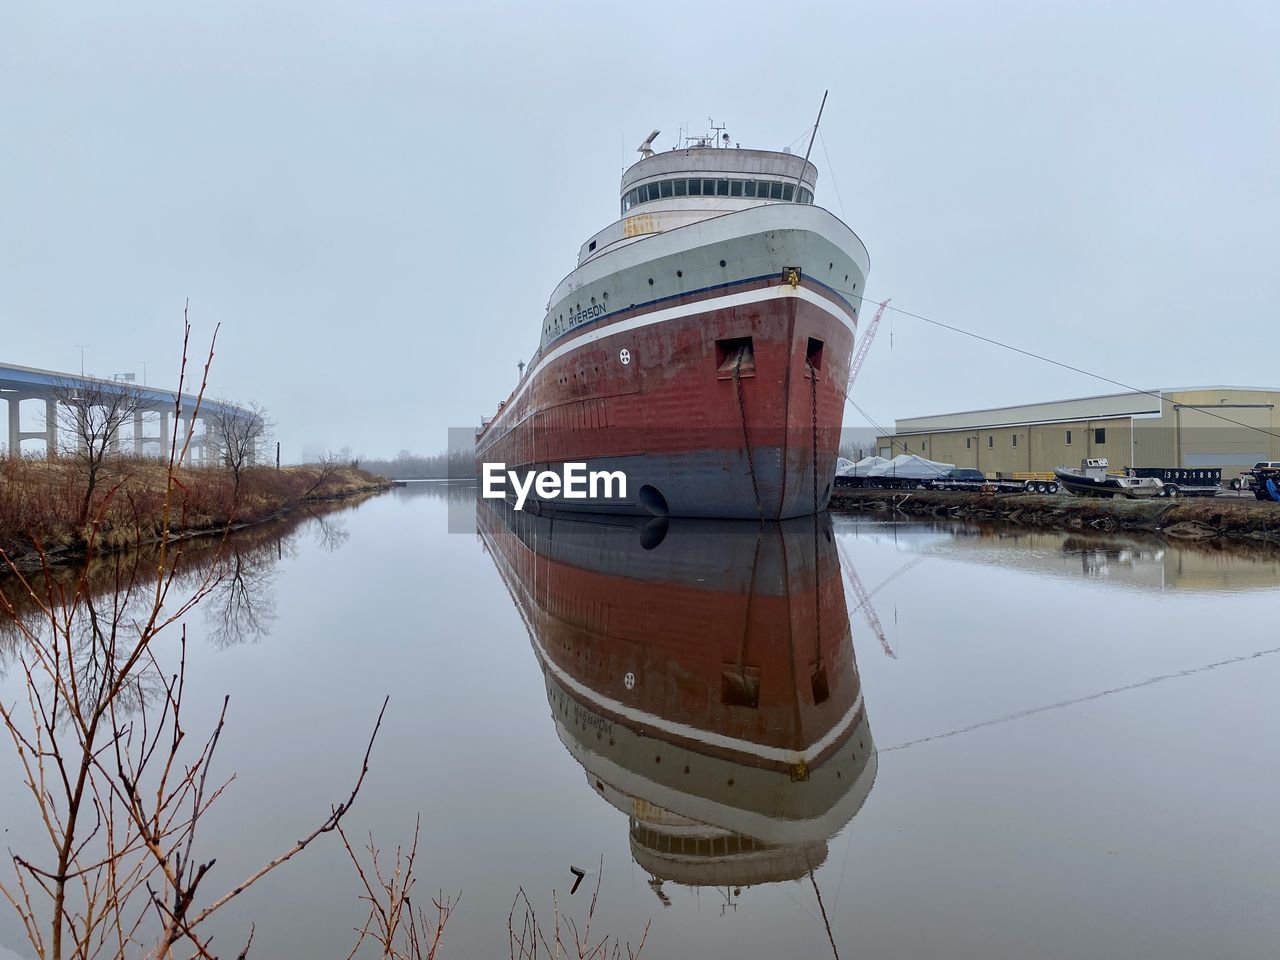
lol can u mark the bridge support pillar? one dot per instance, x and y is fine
(137, 433)
(186, 432)
(166, 435)
(51, 427)
(15, 425)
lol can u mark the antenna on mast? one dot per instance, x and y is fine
(812, 136)
(646, 149)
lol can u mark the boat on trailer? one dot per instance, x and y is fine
(1093, 480)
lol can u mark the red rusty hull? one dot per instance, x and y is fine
(730, 639)
(703, 674)
(660, 401)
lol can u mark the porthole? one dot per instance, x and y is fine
(605, 295)
(722, 263)
(651, 281)
(831, 266)
(679, 273)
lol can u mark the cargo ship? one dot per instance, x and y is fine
(703, 675)
(701, 346)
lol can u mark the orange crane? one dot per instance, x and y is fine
(864, 596)
(868, 611)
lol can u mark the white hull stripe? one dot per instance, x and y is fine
(640, 717)
(781, 292)
(760, 826)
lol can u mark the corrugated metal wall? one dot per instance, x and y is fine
(1193, 430)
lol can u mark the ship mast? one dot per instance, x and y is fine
(811, 139)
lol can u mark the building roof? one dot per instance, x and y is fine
(1132, 403)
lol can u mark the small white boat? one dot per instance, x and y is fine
(1092, 480)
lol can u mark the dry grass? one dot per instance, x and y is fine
(40, 500)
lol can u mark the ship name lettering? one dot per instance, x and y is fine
(587, 718)
(587, 313)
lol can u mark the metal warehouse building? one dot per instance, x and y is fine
(1228, 427)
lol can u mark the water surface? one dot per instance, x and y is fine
(981, 743)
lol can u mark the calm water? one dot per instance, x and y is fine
(984, 744)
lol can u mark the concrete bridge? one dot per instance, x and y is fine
(40, 390)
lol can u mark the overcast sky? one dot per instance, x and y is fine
(376, 199)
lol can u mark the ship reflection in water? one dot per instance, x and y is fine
(703, 675)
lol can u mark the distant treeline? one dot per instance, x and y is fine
(413, 466)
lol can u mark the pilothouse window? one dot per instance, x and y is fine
(752, 189)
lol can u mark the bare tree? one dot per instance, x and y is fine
(400, 927)
(563, 940)
(327, 466)
(103, 751)
(238, 431)
(92, 414)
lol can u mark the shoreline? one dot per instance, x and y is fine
(30, 560)
(1198, 520)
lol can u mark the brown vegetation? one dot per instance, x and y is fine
(561, 938)
(117, 783)
(41, 501)
(107, 762)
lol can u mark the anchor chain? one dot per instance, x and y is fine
(817, 579)
(746, 440)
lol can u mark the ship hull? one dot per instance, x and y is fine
(727, 403)
(703, 674)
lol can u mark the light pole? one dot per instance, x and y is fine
(83, 347)
(144, 371)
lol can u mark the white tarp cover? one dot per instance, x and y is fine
(910, 467)
(860, 468)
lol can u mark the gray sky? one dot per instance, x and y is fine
(376, 199)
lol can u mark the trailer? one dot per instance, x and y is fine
(967, 478)
(1037, 482)
(909, 472)
(1266, 483)
(1183, 481)
(1248, 479)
